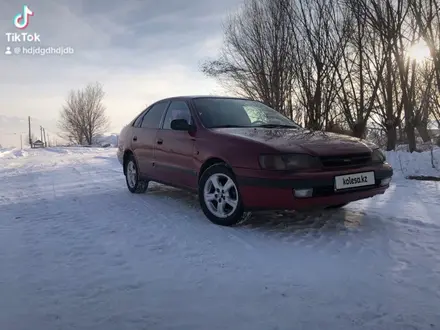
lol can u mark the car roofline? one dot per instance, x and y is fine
(194, 97)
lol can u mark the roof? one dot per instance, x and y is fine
(192, 97)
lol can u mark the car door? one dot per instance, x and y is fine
(144, 138)
(174, 155)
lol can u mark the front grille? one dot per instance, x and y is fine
(346, 161)
(330, 190)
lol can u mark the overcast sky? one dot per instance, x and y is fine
(140, 50)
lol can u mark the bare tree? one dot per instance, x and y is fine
(71, 118)
(388, 112)
(435, 110)
(427, 16)
(338, 64)
(256, 57)
(424, 105)
(318, 32)
(391, 19)
(361, 69)
(388, 105)
(83, 117)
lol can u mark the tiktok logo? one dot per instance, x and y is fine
(21, 20)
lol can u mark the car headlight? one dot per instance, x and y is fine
(378, 157)
(288, 162)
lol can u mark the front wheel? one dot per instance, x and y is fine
(219, 196)
(134, 184)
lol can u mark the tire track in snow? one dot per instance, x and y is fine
(86, 255)
(183, 214)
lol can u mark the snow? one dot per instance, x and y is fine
(78, 251)
(12, 153)
(417, 163)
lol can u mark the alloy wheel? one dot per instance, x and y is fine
(131, 174)
(220, 195)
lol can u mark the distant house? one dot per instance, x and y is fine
(38, 144)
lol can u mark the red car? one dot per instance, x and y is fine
(241, 155)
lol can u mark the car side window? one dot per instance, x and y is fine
(138, 121)
(153, 117)
(177, 110)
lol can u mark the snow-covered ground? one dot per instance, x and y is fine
(415, 164)
(78, 251)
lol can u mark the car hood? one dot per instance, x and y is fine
(301, 140)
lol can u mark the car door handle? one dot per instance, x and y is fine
(160, 141)
(135, 138)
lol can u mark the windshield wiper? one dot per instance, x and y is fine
(276, 126)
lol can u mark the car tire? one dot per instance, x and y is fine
(219, 196)
(134, 184)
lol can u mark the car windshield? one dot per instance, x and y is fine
(224, 112)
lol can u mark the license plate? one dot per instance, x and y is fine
(354, 180)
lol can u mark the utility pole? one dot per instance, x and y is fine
(41, 133)
(45, 141)
(21, 141)
(30, 131)
(48, 139)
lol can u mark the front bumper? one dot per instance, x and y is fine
(269, 190)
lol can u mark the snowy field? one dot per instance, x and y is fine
(78, 251)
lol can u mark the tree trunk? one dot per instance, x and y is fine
(391, 121)
(401, 136)
(391, 137)
(359, 130)
(314, 125)
(408, 105)
(423, 131)
(411, 136)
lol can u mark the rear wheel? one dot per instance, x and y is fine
(134, 184)
(219, 196)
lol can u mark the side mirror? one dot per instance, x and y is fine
(180, 125)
